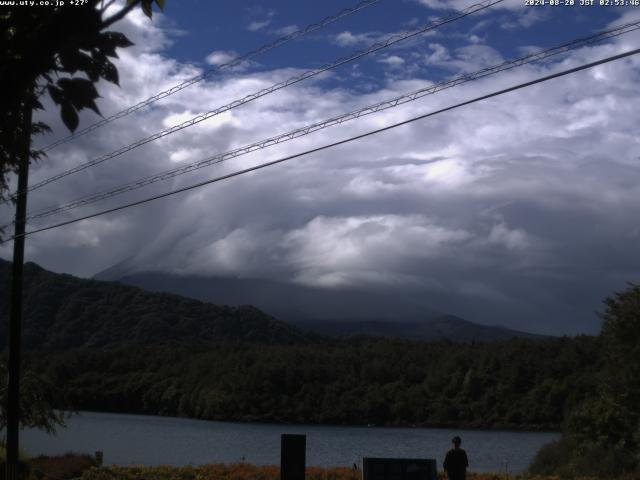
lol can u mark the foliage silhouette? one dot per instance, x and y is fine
(62, 51)
(602, 434)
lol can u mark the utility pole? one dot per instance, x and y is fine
(23, 152)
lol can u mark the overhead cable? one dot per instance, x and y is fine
(306, 130)
(334, 144)
(391, 40)
(207, 74)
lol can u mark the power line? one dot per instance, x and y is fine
(334, 144)
(393, 39)
(308, 129)
(230, 64)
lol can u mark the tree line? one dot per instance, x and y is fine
(109, 347)
(521, 384)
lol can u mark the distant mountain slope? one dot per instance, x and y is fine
(62, 311)
(446, 327)
(285, 301)
(325, 311)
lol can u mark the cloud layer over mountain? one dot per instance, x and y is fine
(521, 210)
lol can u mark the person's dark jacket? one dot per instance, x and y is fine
(455, 464)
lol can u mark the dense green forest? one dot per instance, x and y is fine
(118, 348)
(62, 312)
(109, 347)
(516, 384)
(601, 435)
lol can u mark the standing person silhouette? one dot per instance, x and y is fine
(456, 462)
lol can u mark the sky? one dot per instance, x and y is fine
(521, 210)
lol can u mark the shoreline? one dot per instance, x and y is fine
(496, 429)
(129, 439)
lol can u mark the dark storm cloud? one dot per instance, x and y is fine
(519, 211)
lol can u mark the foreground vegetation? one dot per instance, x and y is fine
(251, 472)
(83, 467)
(113, 348)
(601, 435)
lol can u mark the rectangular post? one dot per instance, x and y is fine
(15, 316)
(293, 457)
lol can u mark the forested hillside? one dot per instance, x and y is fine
(514, 384)
(62, 311)
(117, 348)
(442, 327)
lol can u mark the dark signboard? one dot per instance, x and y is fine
(398, 469)
(292, 457)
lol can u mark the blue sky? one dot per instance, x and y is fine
(521, 210)
(241, 26)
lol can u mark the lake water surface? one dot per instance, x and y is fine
(147, 440)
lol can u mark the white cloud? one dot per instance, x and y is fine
(512, 239)
(393, 61)
(366, 39)
(348, 39)
(558, 162)
(266, 16)
(526, 19)
(258, 25)
(220, 57)
(464, 59)
(439, 54)
(463, 4)
(185, 155)
(340, 251)
(287, 30)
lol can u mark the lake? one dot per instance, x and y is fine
(148, 440)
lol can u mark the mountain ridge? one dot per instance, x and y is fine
(114, 347)
(442, 328)
(62, 311)
(335, 313)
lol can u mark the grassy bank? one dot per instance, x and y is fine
(245, 471)
(83, 467)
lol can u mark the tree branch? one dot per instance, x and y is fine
(103, 7)
(120, 15)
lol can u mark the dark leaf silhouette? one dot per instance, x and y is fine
(69, 116)
(57, 51)
(110, 73)
(81, 93)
